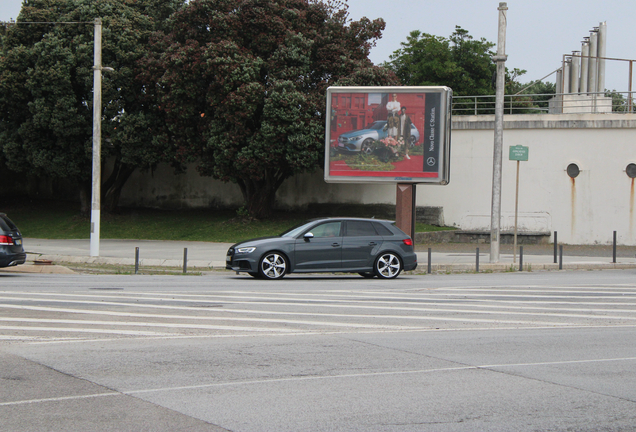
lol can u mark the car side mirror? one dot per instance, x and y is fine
(308, 236)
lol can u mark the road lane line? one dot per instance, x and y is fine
(349, 306)
(316, 378)
(82, 330)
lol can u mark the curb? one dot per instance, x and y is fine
(200, 265)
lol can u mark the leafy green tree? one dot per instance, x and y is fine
(46, 88)
(460, 62)
(243, 85)
(619, 102)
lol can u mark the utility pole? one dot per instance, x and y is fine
(500, 59)
(97, 139)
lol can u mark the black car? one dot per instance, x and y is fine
(11, 250)
(370, 247)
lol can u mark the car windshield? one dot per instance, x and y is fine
(377, 125)
(297, 230)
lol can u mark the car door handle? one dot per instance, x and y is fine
(335, 244)
(372, 243)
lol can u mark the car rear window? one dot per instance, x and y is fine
(382, 230)
(6, 224)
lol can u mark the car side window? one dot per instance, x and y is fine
(360, 229)
(382, 230)
(329, 229)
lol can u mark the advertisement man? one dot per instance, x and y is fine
(404, 131)
(392, 113)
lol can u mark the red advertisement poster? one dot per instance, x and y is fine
(387, 134)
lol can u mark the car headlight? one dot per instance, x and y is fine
(245, 250)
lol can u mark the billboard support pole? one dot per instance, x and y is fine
(500, 58)
(405, 208)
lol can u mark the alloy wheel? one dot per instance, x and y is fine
(273, 266)
(388, 266)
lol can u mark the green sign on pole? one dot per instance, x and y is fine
(518, 153)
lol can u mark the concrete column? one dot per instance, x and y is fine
(592, 71)
(602, 46)
(574, 72)
(585, 61)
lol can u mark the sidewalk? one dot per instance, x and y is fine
(453, 257)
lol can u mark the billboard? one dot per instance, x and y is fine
(388, 135)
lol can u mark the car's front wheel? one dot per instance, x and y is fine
(387, 266)
(367, 146)
(273, 265)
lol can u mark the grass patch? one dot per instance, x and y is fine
(62, 220)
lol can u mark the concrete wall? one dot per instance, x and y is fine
(584, 210)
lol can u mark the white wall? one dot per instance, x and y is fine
(583, 211)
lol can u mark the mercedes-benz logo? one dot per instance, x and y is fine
(430, 161)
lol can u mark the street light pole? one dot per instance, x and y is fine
(500, 58)
(97, 140)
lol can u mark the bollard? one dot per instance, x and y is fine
(520, 258)
(136, 260)
(185, 260)
(561, 257)
(477, 261)
(614, 249)
(555, 247)
(428, 270)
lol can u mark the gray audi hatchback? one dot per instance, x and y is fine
(11, 250)
(370, 247)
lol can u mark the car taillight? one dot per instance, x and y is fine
(6, 240)
(408, 242)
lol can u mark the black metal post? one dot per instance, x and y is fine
(561, 257)
(520, 258)
(555, 247)
(136, 260)
(428, 270)
(614, 249)
(477, 261)
(185, 260)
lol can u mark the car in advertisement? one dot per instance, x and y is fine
(362, 141)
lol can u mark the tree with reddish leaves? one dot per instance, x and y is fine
(243, 84)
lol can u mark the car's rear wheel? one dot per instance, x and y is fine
(273, 265)
(367, 146)
(387, 265)
(367, 275)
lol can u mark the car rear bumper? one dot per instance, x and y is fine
(10, 260)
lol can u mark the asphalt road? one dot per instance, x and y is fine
(549, 351)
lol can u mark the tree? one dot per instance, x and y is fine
(459, 62)
(46, 85)
(244, 86)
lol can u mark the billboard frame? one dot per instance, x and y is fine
(432, 107)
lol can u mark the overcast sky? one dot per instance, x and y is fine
(538, 32)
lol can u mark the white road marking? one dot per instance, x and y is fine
(358, 306)
(211, 318)
(83, 330)
(133, 392)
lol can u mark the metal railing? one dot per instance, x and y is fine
(561, 103)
